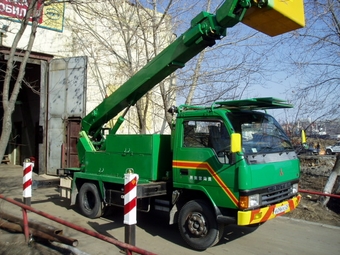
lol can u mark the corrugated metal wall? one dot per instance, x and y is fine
(65, 97)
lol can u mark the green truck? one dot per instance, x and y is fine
(227, 163)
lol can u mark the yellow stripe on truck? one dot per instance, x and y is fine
(197, 165)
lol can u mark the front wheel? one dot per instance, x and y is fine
(89, 201)
(198, 225)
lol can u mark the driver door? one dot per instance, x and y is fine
(202, 159)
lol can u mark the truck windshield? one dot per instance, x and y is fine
(261, 133)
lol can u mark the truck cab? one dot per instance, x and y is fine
(248, 186)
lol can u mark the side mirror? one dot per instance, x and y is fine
(236, 143)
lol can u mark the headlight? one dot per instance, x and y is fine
(295, 188)
(249, 201)
(254, 200)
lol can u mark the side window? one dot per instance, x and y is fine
(195, 134)
(211, 134)
(219, 139)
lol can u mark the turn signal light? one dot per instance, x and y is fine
(251, 201)
(243, 202)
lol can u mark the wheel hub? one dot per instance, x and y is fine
(196, 224)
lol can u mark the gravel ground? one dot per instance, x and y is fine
(315, 171)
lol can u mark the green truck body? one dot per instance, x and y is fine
(228, 163)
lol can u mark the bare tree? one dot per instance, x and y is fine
(133, 32)
(10, 92)
(229, 69)
(312, 59)
(122, 39)
(194, 83)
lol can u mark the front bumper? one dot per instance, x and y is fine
(267, 213)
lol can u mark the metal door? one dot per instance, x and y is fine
(66, 95)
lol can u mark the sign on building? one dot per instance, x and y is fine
(52, 17)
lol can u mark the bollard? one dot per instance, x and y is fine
(130, 206)
(27, 181)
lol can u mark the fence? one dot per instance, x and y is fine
(127, 247)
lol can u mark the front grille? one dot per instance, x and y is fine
(277, 193)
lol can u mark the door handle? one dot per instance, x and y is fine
(184, 171)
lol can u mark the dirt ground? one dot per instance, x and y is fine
(315, 171)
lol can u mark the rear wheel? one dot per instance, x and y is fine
(89, 201)
(198, 225)
(328, 152)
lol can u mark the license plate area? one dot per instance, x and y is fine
(281, 209)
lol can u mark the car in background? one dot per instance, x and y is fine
(300, 150)
(331, 150)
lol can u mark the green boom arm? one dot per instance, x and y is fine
(205, 29)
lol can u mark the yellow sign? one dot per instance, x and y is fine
(52, 15)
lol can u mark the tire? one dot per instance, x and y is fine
(328, 152)
(89, 201)
(198, 225)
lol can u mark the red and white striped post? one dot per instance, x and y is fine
(27, 181)
(130, 206)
